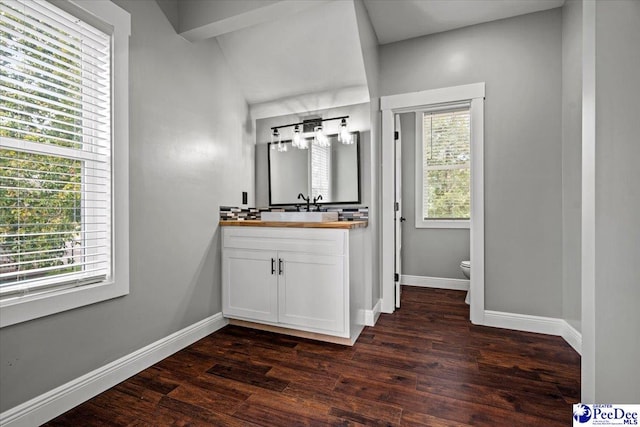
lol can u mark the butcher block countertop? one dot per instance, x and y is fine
(290, 224)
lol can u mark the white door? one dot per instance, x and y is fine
(250, 284)
(311, 292)
(398, 208)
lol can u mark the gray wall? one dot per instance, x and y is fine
(571, 160)
(520, 60)
(617, 203)
(431, 252)
(190, 152)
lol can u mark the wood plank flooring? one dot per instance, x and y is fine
(424, 365)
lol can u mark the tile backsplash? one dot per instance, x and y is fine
(351, 213)
(231, 213)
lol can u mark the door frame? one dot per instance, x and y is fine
(408, 102)
(397, 224)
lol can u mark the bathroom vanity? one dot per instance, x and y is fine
(299, 278)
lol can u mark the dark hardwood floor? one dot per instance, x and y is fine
(425, 365)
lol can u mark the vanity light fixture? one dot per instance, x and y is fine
(310, 125)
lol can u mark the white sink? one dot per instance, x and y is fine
(299, 216)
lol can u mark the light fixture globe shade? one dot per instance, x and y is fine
(344, 136)
(297, 140)
(320, 139)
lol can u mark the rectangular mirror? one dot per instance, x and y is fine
(332, 172)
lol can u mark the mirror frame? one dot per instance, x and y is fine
(356, 134)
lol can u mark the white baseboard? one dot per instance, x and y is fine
(49, 405)
(572, 336)
(538, 324)
(371, 316)
(435, 282)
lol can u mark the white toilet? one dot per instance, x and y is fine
(465, 266)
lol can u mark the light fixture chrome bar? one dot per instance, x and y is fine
(309, 122)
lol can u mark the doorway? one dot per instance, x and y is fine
(391, 211)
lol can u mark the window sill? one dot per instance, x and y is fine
(22, 309)
(463, 223)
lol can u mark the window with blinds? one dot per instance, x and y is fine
(55, 149)
(445, 172)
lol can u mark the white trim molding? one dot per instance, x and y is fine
(572, 337)
(476, 233)
(588, 205)
(414, 101)
(435, 282)
(49, 405)
(432, 96)
(537, 324)
(371, 316)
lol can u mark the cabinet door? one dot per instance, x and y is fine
(311, 291)
(250, 284)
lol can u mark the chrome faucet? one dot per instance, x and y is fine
(306, 199)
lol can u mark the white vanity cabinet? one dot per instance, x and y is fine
(295, 279)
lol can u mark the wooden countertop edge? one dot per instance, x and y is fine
(290, 224)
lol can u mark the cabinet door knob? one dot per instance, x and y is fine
(273, 266)
(280, 269)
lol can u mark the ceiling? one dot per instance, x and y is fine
(280, 51)
(312, 51)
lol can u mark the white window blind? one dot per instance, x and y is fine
(55, 149)
(321, 171)
(446, 156)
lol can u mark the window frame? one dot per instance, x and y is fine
(110, 17)
(420, 181)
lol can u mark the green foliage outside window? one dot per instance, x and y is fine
(40, 220)
(449, 194)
